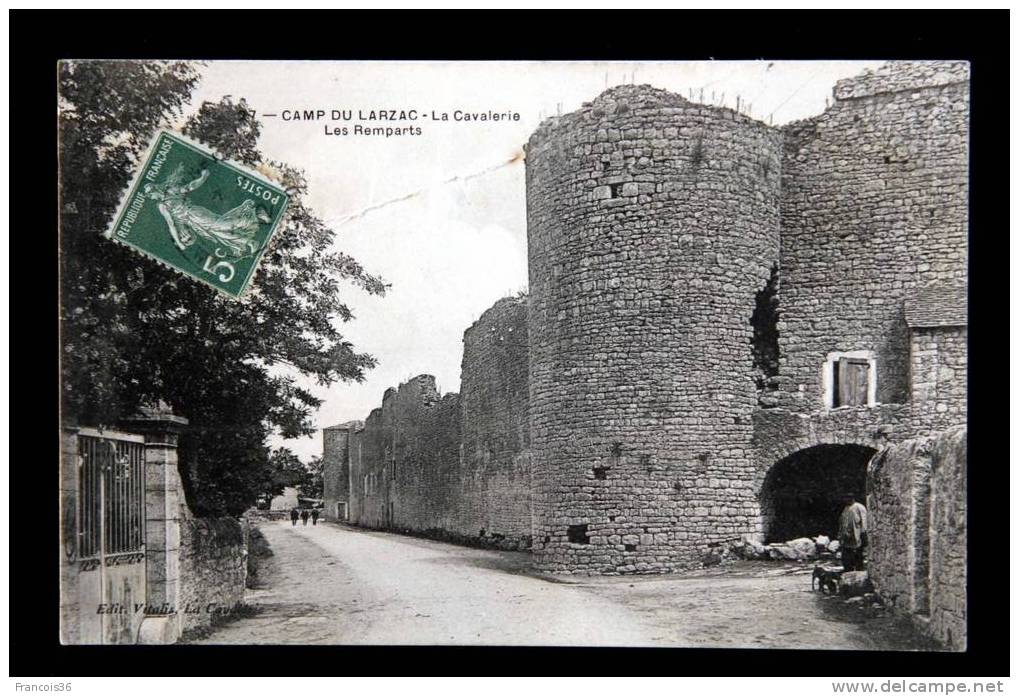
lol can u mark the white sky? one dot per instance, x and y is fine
(457, 247)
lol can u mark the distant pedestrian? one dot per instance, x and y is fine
(304, 517)
(314, 516)
(853, 533)
(294, 514)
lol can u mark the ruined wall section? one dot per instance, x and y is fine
(652, 224)
(405, 461)
(916, 498)
(360, 469)
(453, 466)
(874, 206)
(496, 476)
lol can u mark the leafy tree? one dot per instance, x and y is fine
(285, 470)
(312, 485)
(134, 332)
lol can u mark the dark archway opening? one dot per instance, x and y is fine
(802, 493)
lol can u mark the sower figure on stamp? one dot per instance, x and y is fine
(853, 533)
(314, 516)
(231, 234)
(304, 517)
(294, 514)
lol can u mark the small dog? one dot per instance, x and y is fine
(826, 580)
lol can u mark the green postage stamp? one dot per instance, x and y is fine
(203, 216)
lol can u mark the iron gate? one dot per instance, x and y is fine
(111, 528)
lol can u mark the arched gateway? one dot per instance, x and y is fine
(802, 492)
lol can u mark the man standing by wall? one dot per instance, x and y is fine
(853, 533)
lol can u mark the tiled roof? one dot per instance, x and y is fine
(939, 305)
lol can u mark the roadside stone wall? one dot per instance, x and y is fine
(495, 492)
(213, 568)
(653, 222)
(874, 206)
(453, 466)
(405, 461)
(948, 540)
(916, 497)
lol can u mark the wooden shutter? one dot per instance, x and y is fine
(852, 381)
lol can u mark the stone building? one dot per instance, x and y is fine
(335, 468)
(726, 321)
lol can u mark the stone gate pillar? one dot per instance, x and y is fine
(163, 500)
(70, 609)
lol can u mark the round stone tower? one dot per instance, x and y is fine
(652, 223)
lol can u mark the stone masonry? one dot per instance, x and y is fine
(710, 297)
(917, 507)
(336, 468)
(455, 465)
(213, 567)
(404, 461)
(495, 432)
(652, 223)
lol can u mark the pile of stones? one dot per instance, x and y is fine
(801, 549)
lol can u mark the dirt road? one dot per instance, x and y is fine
(334, 584)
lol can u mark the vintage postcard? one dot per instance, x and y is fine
(645, 354)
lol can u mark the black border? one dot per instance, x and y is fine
(40, 38)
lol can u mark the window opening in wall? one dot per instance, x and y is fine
(577, 534)
(630, 547)
(601, 472)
